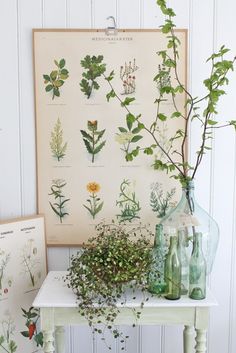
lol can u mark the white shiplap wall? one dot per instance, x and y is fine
(210, 23)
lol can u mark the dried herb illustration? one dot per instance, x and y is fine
(30, 262)
(56, 78)
(7, 344)
(32, 317)
(94, 202)
(94, 68)
(5, 282)
(163, 77)
(128, 78)
(160, 202)
(57, 145)
(128, 204)
(92, 138)
(59, 206)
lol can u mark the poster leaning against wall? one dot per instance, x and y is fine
(84, 133)
(22, 270)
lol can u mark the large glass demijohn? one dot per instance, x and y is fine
(189, 218)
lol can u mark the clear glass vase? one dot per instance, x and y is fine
(189, 218)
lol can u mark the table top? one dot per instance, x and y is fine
(54, 293)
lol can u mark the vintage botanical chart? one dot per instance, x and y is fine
(83, 176)
(22, 271)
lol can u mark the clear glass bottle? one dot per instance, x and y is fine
(184, 261)
(197, 270)
(156, 281)
(191, 218)
(173, 271)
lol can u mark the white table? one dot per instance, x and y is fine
(58, 308)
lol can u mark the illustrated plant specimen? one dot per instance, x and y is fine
(30, 261)
(94, 69)
(128, 78)
(94, 204)
(164, 77)
(32, 316)
(6, 342)
(159, 202)
(92, 137)
(59, 205)
(112, 261)
(4, 259)
(58, 147)
(56, 78)
(128, 204)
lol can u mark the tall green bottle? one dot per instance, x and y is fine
(184, 261)
(197, 270)
(173, 271)
(156, 280)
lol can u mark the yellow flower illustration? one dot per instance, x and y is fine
(93, 187)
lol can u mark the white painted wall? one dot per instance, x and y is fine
(210, 23)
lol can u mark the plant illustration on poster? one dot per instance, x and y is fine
(128, 78)
(128, 204)
(8, 328)
(97, 140)
(92, 138)
(56, 78)
(59, 206)
(26, 258)
(160, 202)
(5, 281)
(57, 145)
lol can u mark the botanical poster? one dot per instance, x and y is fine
(84, 134)
(22, 271)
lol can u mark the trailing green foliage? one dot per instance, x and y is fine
(94, 69)
(56, 78)
(109, 263)
(92, 138)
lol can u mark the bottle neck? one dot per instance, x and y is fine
(188, 195)
(197, 244)
(158, 235)
(173, 244)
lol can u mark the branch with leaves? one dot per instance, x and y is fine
(94, 69)
(58, 147)
(92, 138)
(56, 78)
(174, 159)
(59, 206)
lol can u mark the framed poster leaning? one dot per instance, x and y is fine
(84, 133)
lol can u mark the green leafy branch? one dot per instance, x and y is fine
(32, 316)
(58, 207)
(159, 202)
(92, 138)
(94, 69)
(56, 78)
(127, 203)
(58, 147)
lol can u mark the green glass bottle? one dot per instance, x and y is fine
(156, 280)
(173, 271)
(184, 261)
(197, 270)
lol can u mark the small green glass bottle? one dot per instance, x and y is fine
(173, 271)
(156, 281)
(197, 270)
(184, 261)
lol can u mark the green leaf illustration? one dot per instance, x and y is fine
(56, 78)
(92, 137)
(95, 68)
(58, 147)
(56, 191)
